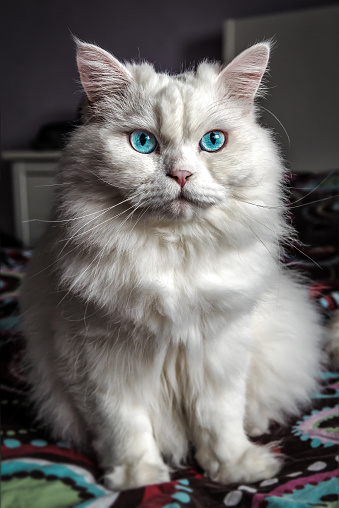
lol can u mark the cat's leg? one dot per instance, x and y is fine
(55, 407)
(113, 418)
(222, 446)
(49, 390)
(126, 447)
(286, 356)
(223, 449)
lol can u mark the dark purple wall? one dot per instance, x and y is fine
(39, 78)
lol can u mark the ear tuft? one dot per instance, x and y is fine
(242, 77)
(100, 73)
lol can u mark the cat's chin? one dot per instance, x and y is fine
(182, 209)
(179, 209)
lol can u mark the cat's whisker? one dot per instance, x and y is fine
(98, 212)
(64, 297)
(103, 250)
(134, 209)
(288, 207)
(280, 123)
(262, 242)
(303, 253)
(107, 182)
(286, 241)
(140, 217)
(50, 185)
(259, 222)
(239, 198)
(292, 203)
(253, 184)
(278, 243)
(84, 319)
(58, 258)
(115, 186)
(77, 234)
(315, 188)
(327, 198)
(67, 241)
(85, 316)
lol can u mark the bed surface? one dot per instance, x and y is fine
(38, 472)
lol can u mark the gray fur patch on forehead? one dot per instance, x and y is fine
(178, 101)
(170, 106)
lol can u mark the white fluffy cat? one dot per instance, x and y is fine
(157, 312)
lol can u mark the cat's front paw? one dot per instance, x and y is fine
(257, 421)
(130, 476)
(256, 429)
(256, 463)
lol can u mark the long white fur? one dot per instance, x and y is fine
(155, 323)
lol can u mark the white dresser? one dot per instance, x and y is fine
(32, 177)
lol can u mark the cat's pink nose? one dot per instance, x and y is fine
(180, 176)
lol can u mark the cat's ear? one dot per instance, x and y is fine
(100, 73)
(242, 77)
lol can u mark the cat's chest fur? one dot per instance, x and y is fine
(172, 288)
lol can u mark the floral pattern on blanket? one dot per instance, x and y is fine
(38, 472)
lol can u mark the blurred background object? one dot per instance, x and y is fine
(302, 103)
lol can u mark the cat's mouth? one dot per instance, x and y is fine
(182, 204)
(181, 197)
(185, 206)
(184, 198)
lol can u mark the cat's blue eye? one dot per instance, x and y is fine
(213, 141)
(143, 141)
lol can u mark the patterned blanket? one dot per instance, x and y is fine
(38, 472)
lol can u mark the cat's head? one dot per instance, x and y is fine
(175, 146)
